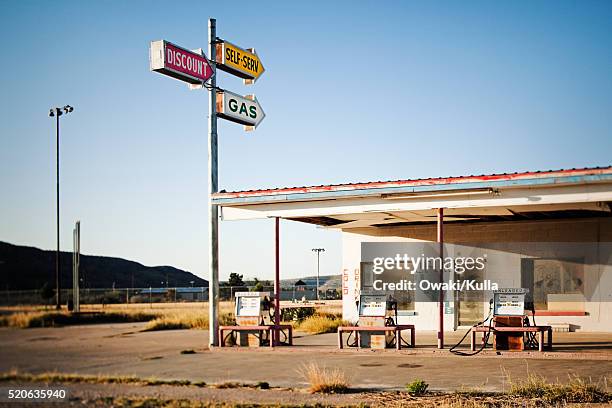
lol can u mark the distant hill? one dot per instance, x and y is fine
(23, 267)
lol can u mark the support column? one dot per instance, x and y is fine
(277, 309)
(213, 210)
(441, 295)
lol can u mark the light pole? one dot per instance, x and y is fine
(57, 112)
(318, 251)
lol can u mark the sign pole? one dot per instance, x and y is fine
(193, 67)
(213, 210)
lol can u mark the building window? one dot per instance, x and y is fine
(405, 299)
(553, 282)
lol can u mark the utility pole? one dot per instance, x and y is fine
(213, 211)
(318, 251)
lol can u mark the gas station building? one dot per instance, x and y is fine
(514, 215)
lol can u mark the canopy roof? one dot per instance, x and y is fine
(566, 193)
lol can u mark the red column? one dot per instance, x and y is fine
(441, 296)
(277, 310)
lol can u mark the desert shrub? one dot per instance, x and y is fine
(325, 380)
(321, 324)
(296, 314)
(417, 387)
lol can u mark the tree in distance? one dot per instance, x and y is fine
(235, 279)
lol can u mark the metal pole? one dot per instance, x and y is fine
(277, 310)
(75, 274)
(58, 300)
(78, 265)
(441, 295)
(73, 268)
(213, 211)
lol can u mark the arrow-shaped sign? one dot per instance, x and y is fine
(245, 110)
(185, 65)
(240, 62)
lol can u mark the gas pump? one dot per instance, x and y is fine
(506, 320)
(377, 311)
(509, 311)
(253, 309)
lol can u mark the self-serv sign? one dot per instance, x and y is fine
(189, 66)
(245, 110)
(238, 61)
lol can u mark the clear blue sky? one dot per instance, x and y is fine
(352, 91)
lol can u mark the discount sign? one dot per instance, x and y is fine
(188, 66)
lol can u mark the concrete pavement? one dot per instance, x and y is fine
(122, 349)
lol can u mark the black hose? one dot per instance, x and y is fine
(354, 344)
(231, 333)
(532, 338)
(484, 341)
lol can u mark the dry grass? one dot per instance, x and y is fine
(153, 402)
(165, 316)
(86, 379)
(325, 380)
(318, 324)
(187, 320)
(576, 390)
(161, 316)
(166, 307)
(26, 320)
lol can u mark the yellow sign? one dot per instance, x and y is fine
(240, 62)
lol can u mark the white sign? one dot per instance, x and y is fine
(245, 110)
(374, 306)
(508, 304)
(247, 306)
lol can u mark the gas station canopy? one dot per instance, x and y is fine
(540, 195)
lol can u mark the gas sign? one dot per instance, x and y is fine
(240, 62)
(188, 66)
(244, 110)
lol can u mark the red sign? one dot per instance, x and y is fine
(179, 63)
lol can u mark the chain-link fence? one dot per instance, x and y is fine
(158, 295)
